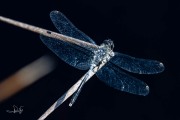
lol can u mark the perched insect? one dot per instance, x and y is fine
(80, 51)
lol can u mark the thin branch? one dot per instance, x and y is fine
(49, 33)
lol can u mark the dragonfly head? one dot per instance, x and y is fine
(109, 44)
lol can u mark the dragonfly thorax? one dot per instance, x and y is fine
(104, 53)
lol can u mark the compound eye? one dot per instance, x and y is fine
(109, 43)
(112, 46)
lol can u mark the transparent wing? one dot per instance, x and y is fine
(74, 55)
(65, 27)
(114, 77)
(136, 65)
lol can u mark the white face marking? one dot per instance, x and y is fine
(122, 88)
(147, 88)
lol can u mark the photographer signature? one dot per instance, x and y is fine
(16, 110)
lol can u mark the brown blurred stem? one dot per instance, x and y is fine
(26, 76)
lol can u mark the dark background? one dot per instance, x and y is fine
(145, 29)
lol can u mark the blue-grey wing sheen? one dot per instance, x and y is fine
(65, 27)
(111, 74)
(114, 77)
(74, 55)
(136, 65)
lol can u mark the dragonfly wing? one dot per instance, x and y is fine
(136, 65)
(65, 27)
(74, 55)
(114, 77)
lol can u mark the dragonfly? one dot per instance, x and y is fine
(78, 50)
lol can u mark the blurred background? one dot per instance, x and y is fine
(144, 29)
